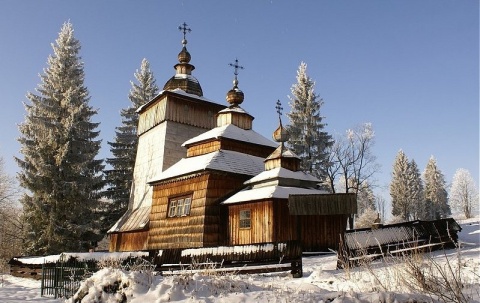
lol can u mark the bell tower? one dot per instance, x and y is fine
(179, 112)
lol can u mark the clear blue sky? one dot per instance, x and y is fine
(411, 68)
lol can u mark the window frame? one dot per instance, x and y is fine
(179, 206)
(245, 222)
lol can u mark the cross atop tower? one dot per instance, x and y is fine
(236, 67)
(184, 28)
(279, 109)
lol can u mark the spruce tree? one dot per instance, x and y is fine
(436, 197)
(58, 141)
(307, 136)
(399, 186)
(415, 191)
(124, 149)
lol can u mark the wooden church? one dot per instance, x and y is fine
(203, 178)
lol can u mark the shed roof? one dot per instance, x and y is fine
(135, 219)
(325, 204)
(234, 132)
(222, 160)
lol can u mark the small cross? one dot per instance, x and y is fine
(236, 66)
(184, 29)
(279, 108)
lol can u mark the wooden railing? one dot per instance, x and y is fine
(261, 257)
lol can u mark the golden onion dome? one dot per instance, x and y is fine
(184, 56)
(235, 96)
(280, 134)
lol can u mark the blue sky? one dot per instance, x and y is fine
(411, 68)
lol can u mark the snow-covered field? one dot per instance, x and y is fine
(380, 281)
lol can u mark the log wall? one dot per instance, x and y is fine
(181, 109)
(128, 241)
(228, 144)
(206, 224)
(272, 222)
(261, 228)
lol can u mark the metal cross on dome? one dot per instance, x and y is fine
(236, 67)
(279, 111)
(184, 28)
(279, 108)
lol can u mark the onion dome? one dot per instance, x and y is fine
(183, 78)
(235, 96)
(280, 134)
(184, 56)
(282, 156)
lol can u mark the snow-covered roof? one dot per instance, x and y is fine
(283, 152)
(235, 109)
(273, 191)
(177, 91)
(99, 256)
(185, 76)
(135, 219)
(234, 132)
(223, 160)
(283, 173)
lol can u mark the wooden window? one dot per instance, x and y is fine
(172, 208)
(179, 206)
(245, 218)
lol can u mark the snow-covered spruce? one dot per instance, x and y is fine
(59, 172)
(308, 138)
(124, 147)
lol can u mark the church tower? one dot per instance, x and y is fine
(178, 113)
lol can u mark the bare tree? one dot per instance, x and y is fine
(381, 205)
(351, 158)
(11, 224)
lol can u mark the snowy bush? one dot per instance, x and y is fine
(111, 285)
(366, 219)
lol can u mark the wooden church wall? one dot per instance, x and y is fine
(216, 218)
(271, 222)
(204, 226)
(177, 232)
(261, 228)
(227, 144)
(128, 241)
(179, 109)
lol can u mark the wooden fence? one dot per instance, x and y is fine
(263, 257)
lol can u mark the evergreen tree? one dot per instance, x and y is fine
(307, 136)
(464, 193)
(436, 197)
(415, 192)
(401, 206)
(58, 142)
(124, 148)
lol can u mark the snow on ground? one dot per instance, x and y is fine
(322, 282)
